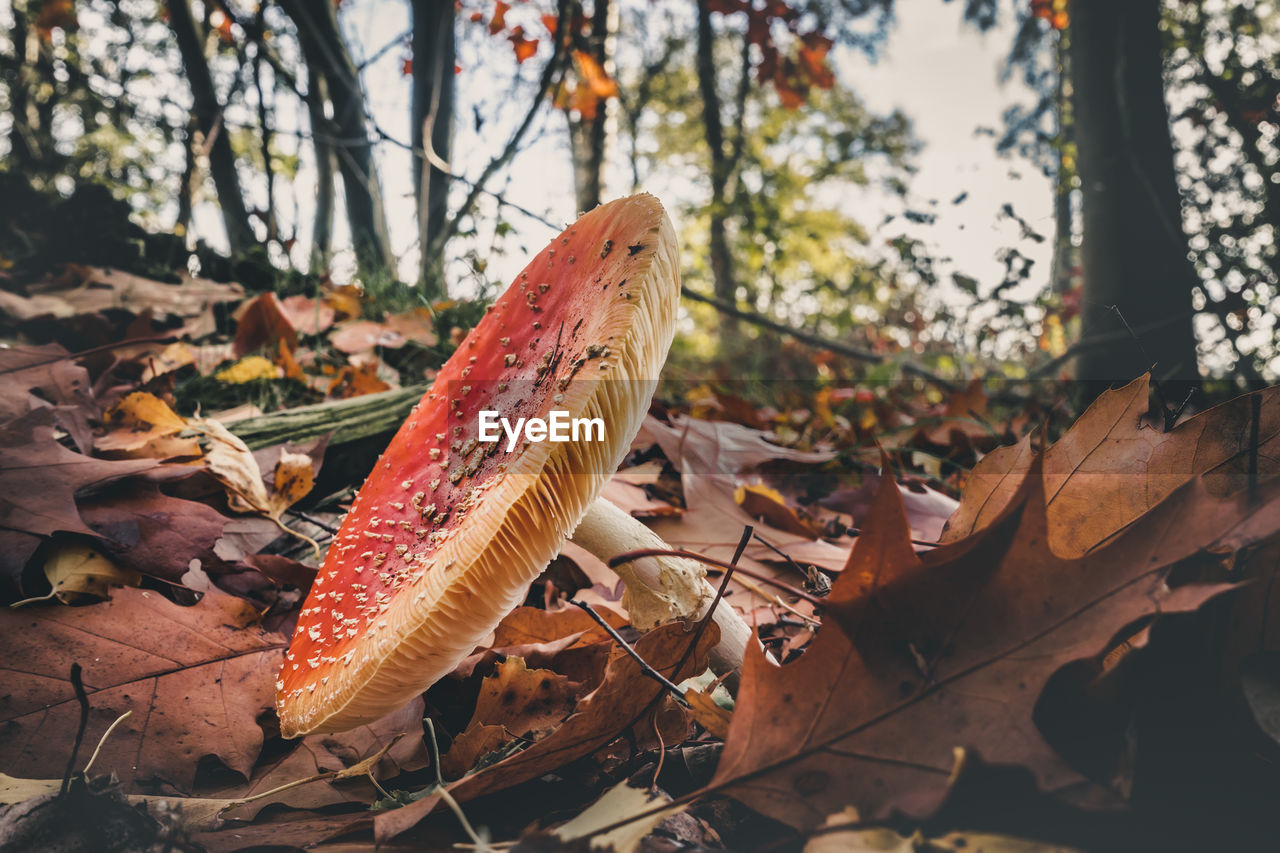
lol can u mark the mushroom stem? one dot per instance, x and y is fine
(661, 589)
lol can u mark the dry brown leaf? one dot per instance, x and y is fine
(621, 700)
(263, 324)
(951, 648)
(39, 479)
(711, 457)
(147, 531)
(416, 325)
(767, 504)
(90, 290)
(617, 804)
(530, 625)
(306, 315)
(396, 741)
(708, 712)
(196, 679)
(45, 369)
(355, 336)
(231, 463)
(1112, 466)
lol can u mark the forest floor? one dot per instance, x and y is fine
(963, 611)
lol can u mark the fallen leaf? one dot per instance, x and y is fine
(517, 702)
(1111, 466)
(294, 476)
(79, 574)
(37, 376)
(356, 381)
(529, 625)
(767, 504)
(252, 368)
(150, 532)
(262, 324)
(137, 423)
(395, 740)
(175, 356)
(708, 712)
(621, 700)
(306, 315)
(416, 325)
(952, 648)
(39, 480)
(196, 679)
(91, 290)
(712, 456)
(617, 804)
(355, 336)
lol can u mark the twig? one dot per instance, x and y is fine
(812, 339)
(858, 531)
(78, 686)
(550, 78)
(724, 585)
(712, 561)
(312, 520)
(111, 728)
(626, 647)
(783, 554)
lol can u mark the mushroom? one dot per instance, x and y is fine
(449, 529)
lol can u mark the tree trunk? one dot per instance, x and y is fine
(322, 145)
(434, 54)
(1134, 252)
(588, 138)
(722, 277)
(324, 50)
(208, 114)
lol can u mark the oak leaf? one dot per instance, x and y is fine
(196, 679)
(1113, 465)
(952, 647)
(39, 480)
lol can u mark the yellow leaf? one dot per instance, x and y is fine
(294, 478)
(136, 422)
(248, 369)
(79, 574)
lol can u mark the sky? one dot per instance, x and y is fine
(938, 70)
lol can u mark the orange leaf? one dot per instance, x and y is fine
(525, 48)
(499, 21)
(600, 83)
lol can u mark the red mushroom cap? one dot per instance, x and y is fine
(447, 532)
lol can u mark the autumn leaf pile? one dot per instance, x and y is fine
(946, 655)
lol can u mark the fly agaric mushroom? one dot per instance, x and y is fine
(448, 530)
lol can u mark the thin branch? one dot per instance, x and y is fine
(550, 78)
(812, 339)
(626, 647)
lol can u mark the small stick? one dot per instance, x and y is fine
(617, 638)
(724, 585)
(712, 561)
(783, 554)
(78, 686)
